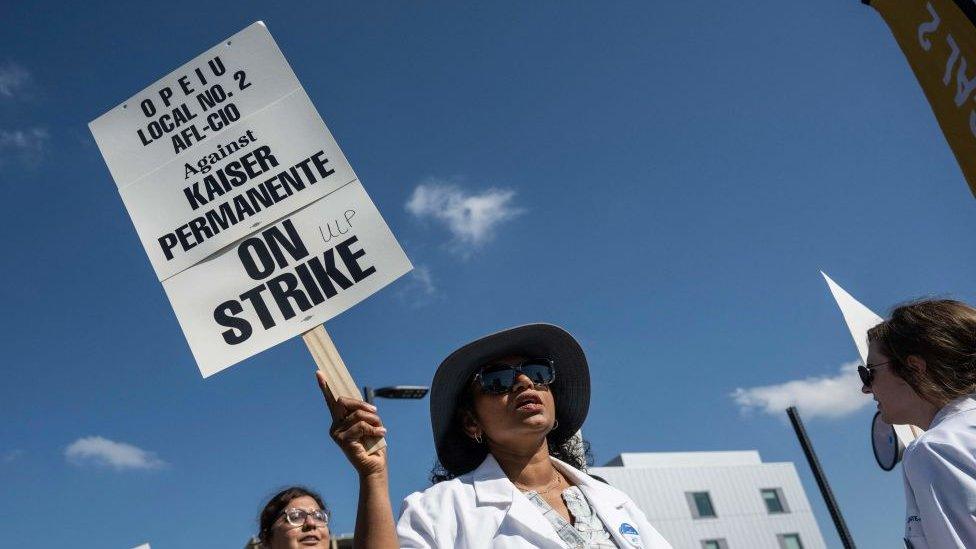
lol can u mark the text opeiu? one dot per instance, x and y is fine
(303, 285)
(245, 204)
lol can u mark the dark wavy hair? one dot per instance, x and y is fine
(573, 451)
(278, 503)
(940, 331)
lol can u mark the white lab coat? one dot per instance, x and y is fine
(940, 480)
(484, 509)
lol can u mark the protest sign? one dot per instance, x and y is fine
(227, 143)
(251, 216)
(938, 37)
(859, 320)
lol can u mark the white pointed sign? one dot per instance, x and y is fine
(859, 320)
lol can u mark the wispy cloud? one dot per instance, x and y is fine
(471, 218)
(109, 453)
(13, 80)
(27, 146)
(11, 455)
(424, 282)
(827, 397)
(419, 288)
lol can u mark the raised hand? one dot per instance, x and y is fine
(352, 422)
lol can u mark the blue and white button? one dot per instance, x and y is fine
(630, 534)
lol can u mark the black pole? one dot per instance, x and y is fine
(368, 394)
(801, 433)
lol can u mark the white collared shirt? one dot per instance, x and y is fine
(484, 509)
(940, 480)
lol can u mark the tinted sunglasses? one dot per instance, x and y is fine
(498, 378)
(866, 372)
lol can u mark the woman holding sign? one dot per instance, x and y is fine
(505, 410)
(921, 369)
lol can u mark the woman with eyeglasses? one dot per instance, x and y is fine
(505, 410)
(922, 371)
(294, 517)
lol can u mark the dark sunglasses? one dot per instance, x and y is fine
(867, 372)
(498, 378)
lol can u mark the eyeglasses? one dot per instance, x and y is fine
(867, 372)
(498, 378)
(296, 516)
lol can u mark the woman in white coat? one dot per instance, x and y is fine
(505, 410)
(922, 371)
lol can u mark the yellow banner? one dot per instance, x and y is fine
(939, 39)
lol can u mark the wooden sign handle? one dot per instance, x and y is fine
(340, 383)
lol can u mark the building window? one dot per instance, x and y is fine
(775, 502)
(701, 505)
(714, 544)
(789, 541)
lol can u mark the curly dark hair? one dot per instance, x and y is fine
(277, 504)
(573, 451)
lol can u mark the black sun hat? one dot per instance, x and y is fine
(457, 453)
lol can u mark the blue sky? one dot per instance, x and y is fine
(664, 179)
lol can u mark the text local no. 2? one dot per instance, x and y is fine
(207, 95)
(305, 285)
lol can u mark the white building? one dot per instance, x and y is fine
(717, 500)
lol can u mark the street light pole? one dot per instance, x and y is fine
(845, 535)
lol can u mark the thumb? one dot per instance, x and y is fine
(337, 410)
